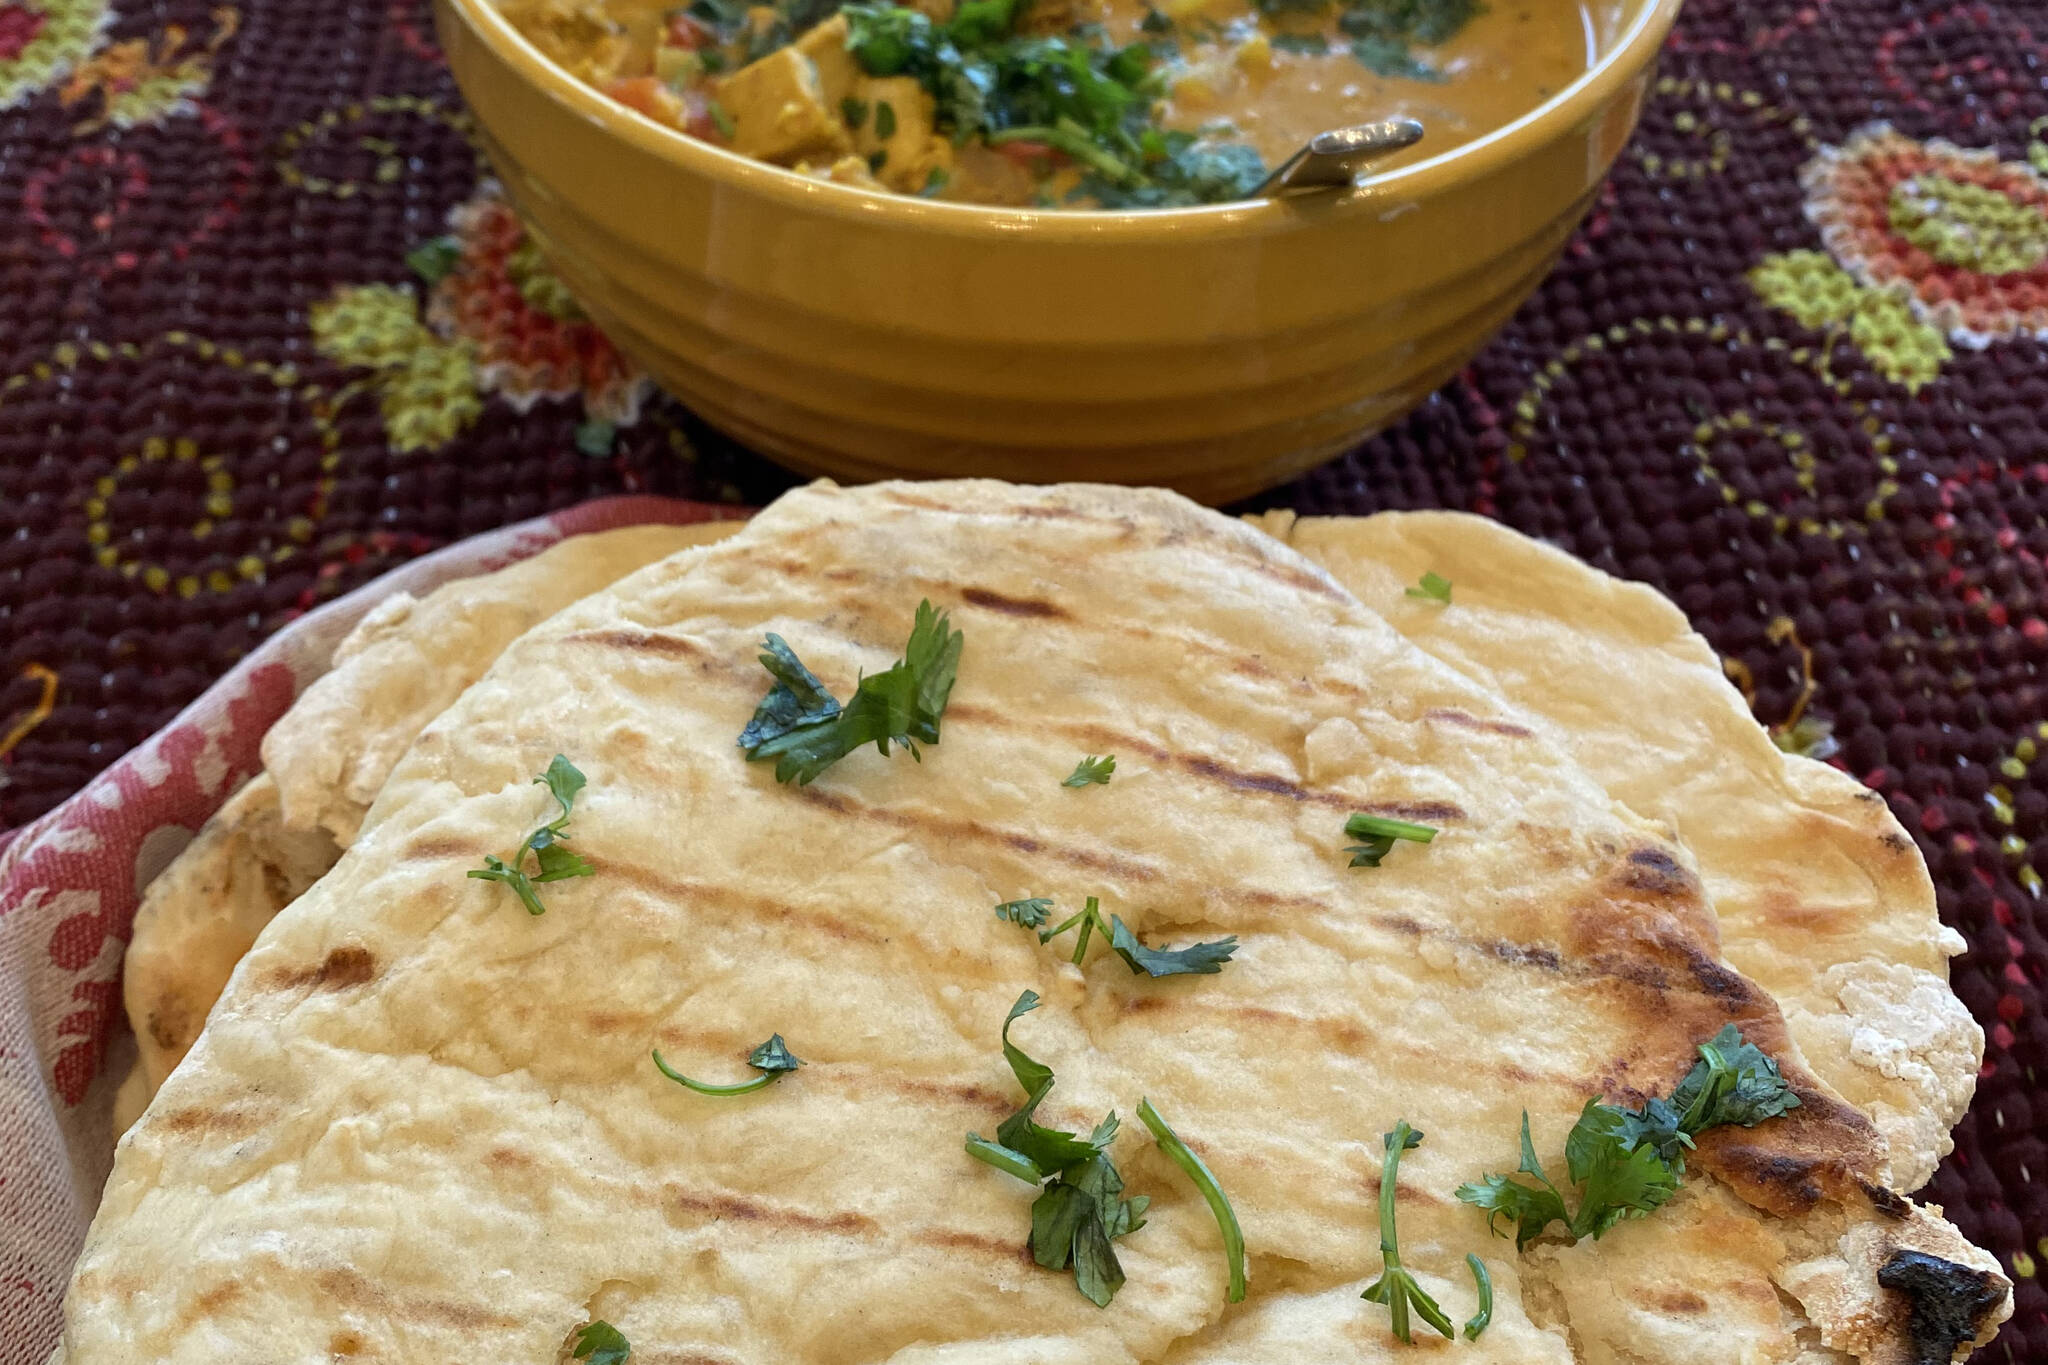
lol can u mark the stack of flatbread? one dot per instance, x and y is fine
(420, 1124)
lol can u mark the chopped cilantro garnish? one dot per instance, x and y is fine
(1628, 1162)
(1376, 835)
(804, 729)
(935, 181)
(720, 119)
(600, 1343)
(1197, 959)
(772, 1059)
(435, 259)
(1205, 1180)
(1390, 57)
(885, 120)
(796, 700)
(595, 437)
(1396, 1287)
(1080, 1210)
(553, 862)
(854, 111)
(1077, 94)
(1483, 1282)
(1028, 913)
(1090, 770)
(1434, 587)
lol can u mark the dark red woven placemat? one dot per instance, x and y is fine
(1792, 370)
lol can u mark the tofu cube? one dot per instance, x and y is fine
(838, 71)
(778, 110)
(898, 130)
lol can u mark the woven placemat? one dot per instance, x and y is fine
(266, 331)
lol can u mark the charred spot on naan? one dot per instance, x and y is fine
(1944, 1304)
(1823, 1150)
(346, 966)
(227, 1123)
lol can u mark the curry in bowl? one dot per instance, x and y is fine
(1060, 103)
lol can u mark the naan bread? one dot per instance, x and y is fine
(1822, 898)
(325, 759)
(409, 658)
(197, 919)
(409, 1076)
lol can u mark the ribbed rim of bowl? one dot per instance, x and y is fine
(1469, 161)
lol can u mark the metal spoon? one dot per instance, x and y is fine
(1333, 159)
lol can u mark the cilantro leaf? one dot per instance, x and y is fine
(1433, 588)
(772, 1059)
(554, 862)
(1384, 31)
(1622, 1184)
(1733, 1082)
(797, 699)
(1030, 914)
(774, 1055)
(1530, 1208)
(1197, 959)
(1003, 1159)
(1483, 1282)
(595, 437)
(1080, 1210)
(435, 259)
(802, 727)
(1391, 57)
(1397, 1287)
(1376, 835)
(1205, 1180)
(600, 1343)
(1629, 1162)
(1091, 770)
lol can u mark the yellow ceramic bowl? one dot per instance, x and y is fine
(1216, 350)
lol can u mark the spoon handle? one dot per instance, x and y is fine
(1332, 160)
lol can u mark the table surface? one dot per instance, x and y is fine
(1791, 372)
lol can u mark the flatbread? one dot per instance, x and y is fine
(410, 1074)
(1818, 899)
(405, 661)
(1821, 896)
(197, 919)
(409, 658)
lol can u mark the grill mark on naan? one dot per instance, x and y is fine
(1114, 864)
(645, 642)
(992, 600)
(1336, 1033)
(732, 898)
(1182, 530)
(358, 1291)
(1452, 716)
(231, 1122)
(727, 1206)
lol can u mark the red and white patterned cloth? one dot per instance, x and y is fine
(69, 886)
